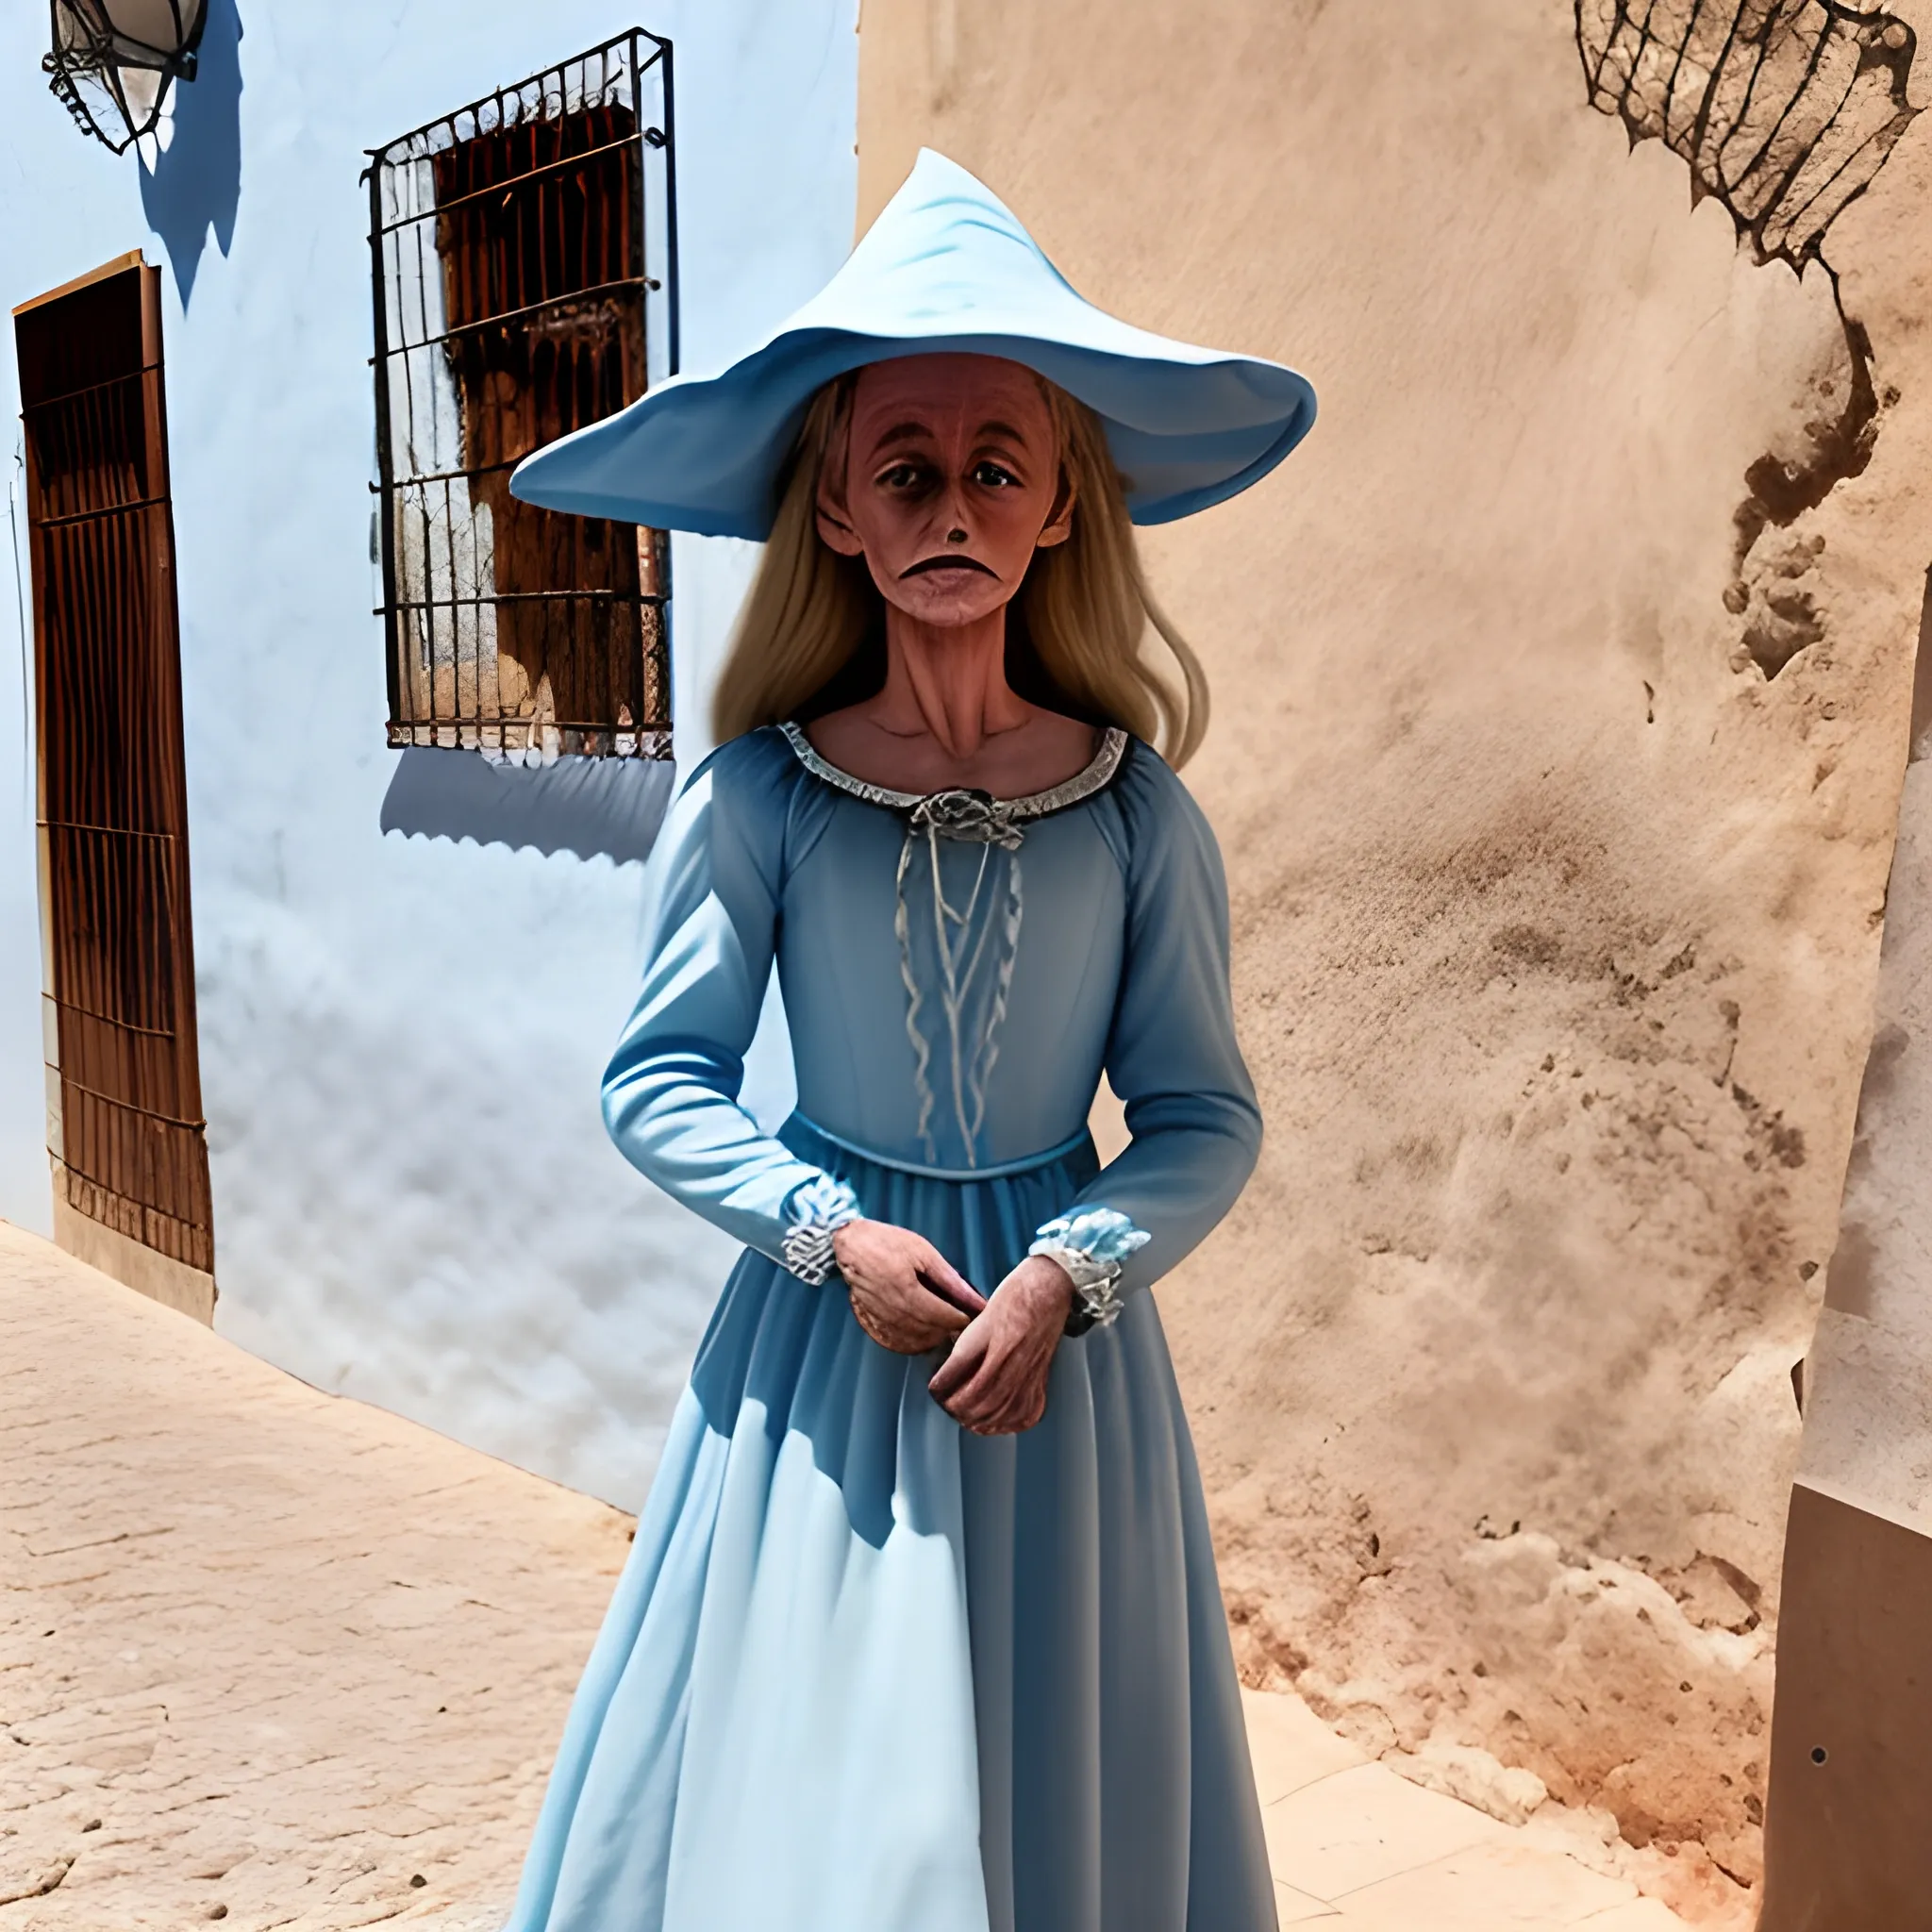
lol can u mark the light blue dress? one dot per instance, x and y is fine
(866, 1671)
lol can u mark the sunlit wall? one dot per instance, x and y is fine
(400, 1038)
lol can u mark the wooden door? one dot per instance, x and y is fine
(126, 1127)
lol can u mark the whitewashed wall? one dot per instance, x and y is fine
(400, 1038)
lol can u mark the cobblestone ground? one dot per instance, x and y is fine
(276, 1659)
(265, 1656)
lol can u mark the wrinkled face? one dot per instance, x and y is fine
(951, 481)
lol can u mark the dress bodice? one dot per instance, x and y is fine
(990, 930)
(957, 972)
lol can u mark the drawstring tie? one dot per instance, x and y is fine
(967, 817)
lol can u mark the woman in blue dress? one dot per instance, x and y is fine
(920, 1630)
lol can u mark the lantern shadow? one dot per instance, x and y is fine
(195, 184)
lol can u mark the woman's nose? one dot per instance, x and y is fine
(953, 518)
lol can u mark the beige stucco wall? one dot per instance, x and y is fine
(1556, 919)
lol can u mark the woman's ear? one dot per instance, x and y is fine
(1059, 520)
(834, 521)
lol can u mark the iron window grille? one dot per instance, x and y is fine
(523, 252)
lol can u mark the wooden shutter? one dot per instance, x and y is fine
(126, 1132)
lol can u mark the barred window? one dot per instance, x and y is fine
(525, 259)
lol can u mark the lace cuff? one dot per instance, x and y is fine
(1090, 1245)
(814, 1211)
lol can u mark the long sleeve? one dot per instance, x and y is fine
(1172, 1058)
(671, 1089)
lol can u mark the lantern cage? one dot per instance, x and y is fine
(111, 61)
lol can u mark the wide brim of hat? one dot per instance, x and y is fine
(946, 267)
(704, 453)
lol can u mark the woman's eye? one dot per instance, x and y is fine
(993, 475)
(903, 477)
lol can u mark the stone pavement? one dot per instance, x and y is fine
(273, 1658)
(1353, 1843)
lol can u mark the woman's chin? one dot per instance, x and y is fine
(945, 607)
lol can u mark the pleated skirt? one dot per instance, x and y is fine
(866, 1671)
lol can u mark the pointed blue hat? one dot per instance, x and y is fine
(947, 267)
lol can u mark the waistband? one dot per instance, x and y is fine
(999, 1169)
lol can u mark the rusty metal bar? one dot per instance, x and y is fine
(509, 183)
(513, 315)
(95, 516)
(648, 600)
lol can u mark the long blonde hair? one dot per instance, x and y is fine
(1084, 608)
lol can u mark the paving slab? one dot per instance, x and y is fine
(1493, 1886)
(1641, 1915)
(1356, 1828)
(1291, 1747)
(264, 1653)
(1293, 1908)
(274, 1659)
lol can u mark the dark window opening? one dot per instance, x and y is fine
(526, 283)
(125, 1128)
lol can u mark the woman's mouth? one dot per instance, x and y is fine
(945, 560)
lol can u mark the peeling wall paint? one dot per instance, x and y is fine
(1784, 111)
(401, 1037)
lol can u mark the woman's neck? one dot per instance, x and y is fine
(946, 716)
(949, 685)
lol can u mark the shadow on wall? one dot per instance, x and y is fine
(585, 805)
(195, 184)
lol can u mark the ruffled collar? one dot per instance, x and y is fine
(961, 812)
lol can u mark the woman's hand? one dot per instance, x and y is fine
(994, 1381)
(906, 1294)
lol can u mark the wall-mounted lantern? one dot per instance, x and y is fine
(111, 61)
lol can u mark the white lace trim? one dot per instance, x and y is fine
(1090, 1245)
(816, 1211)
(1083, 784)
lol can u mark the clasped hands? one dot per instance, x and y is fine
(909, 1298)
